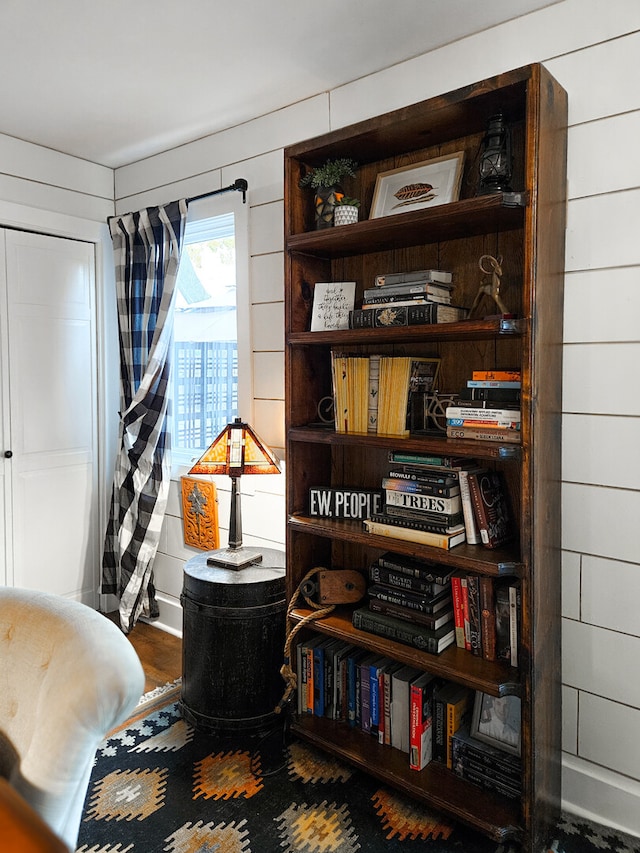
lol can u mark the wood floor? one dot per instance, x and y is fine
(160, 653)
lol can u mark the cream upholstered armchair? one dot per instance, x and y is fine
(67, 677)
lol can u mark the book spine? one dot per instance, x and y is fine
(424, 474)
(425, 604)
(496, 375)
(396, 481)
(423, 537)
(374, 385)
(414, 292)
(439, 729)
(474, 615)
(506, 436)
(482, 413)
(465, 613)
(420, 728)
(426, 460)
(456, 712)
(424, 503)
(431, 621)
(409, 635)
(492, 395)
(365, 698)
(493, 383)
(488, 617)
(403, 519)
(456, 592)
(318, 681)
(484, 423)
(514, 617)
(389, 279)
(470, 525)
(378, 574)
(425, 571)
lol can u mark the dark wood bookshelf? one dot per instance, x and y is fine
(526, 228)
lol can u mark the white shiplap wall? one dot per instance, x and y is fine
(593, 50)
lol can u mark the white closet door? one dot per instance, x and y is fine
(52, 415)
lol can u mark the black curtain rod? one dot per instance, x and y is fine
(239, 185)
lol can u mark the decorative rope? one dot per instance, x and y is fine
(286, 671)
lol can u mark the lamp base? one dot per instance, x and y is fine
(234, 558)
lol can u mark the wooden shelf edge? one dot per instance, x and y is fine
(436, 786)
(438, 444)
(464, 218)
(453, 663)
(473, 558)
(480, 329)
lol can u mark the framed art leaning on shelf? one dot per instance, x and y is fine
(425, 184)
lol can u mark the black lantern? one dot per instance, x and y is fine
(496, 164)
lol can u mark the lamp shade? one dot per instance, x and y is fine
(237, 450)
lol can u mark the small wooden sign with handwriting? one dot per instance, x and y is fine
(332, 301)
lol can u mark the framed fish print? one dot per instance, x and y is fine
(424, 184)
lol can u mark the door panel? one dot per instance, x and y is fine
(52, 392)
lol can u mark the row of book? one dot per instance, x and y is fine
(410, 602)
(371, 393)
(402, 707)
(487, 613)
(488, 409)
(442, 501)
(406, 299)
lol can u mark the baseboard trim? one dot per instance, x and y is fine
(600, 795)
(170, 619)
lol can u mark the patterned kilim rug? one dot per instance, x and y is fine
(158, 786)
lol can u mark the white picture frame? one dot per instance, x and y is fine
(398, 190)
(496, 721)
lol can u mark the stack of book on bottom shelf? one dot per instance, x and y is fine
(486, 765)
(409, 602)
(422, 500)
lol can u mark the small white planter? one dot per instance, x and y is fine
(345, 214)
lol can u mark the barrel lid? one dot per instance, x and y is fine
(252, 585)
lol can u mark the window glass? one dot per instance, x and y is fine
(205, 368)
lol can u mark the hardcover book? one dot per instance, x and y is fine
(475, 628)
(488, 618)
(379, 574)
(414, 568)
(424, 503)
(393, 278)
(491, 509)
(433, 642)
(400, 482)
(411, 600)
(445, 541)
(421, 720)
(504, 436)
(400, 703)
(431, 621)
(393, 314)
(419, 521)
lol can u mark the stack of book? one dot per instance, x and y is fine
(409, 602)
(407, 299)
(486, 765)
(422, 500)
(371, 392)
(488, 409)
(486, 613)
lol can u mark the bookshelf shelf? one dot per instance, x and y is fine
(435, 785)
(526, 229)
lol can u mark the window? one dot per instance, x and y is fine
(210, 380)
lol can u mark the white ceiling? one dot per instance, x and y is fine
(118, 80)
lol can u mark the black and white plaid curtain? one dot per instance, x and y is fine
(147, 249)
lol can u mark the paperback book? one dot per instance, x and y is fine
(411, 634)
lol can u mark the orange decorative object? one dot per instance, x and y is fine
(200, 514)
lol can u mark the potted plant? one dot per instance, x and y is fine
(325, 180)
(346, 211)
